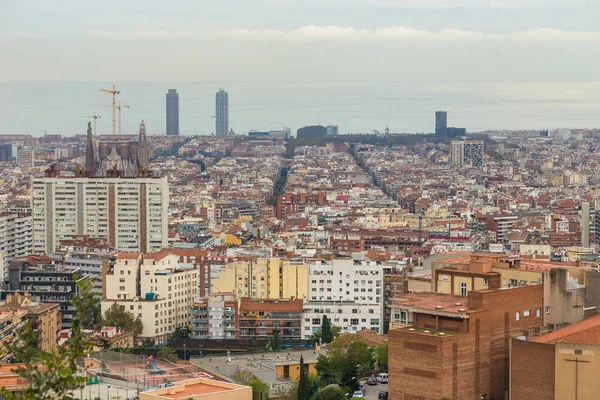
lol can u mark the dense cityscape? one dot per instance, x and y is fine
(294, 265)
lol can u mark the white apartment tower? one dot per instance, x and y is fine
(155, 288)
(130, 213)
(15, 238)
(349, 292)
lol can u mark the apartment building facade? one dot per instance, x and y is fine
(349, 292)
(15, 238)
(154, 287)
(131, 213)
(260, 317)
(215, 317)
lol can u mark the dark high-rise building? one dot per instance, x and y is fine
(441, 123)
(456, 132)
(172, 112)
(222, 113)
(311, 132)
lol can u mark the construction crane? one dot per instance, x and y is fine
(95, 118)
(114, 93)
(119, 107)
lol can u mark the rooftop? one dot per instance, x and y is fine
(198, 388)
(583, 332)
(430, 301)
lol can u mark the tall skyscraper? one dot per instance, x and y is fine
(172, 112)
(468, 152)
(441, 123)
(222, 113)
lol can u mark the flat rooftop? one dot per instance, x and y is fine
(429, 301)
(198, 388)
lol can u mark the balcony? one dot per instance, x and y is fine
(199, 320)
(230, 329)
(199, 312)
(193, 336)
(229, 312)
(200, 329)
(229, 320)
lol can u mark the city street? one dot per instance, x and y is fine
(372, 392)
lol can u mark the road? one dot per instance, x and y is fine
(372, 392)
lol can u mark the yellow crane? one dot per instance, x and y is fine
(119, 107)
(114, 93)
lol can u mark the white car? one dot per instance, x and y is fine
(358, 395)
(382, 378)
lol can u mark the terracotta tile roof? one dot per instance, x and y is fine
(584, 332)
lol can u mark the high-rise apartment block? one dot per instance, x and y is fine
(15, 238)
(172, 112)
(131, 213)
(468, 152)
(26, 157)
(154, 287)
(441, 123)
(332, 130)
(222, 113)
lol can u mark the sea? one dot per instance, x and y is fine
(355, 106)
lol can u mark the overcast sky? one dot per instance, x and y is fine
(224, 40)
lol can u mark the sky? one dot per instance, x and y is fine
(311, 40)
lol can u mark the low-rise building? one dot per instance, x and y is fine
(45, 318)
(200, 389)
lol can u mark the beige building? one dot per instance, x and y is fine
(561, 365)
(266, 278)
(131, 213)
(154, 287)
(200, 389)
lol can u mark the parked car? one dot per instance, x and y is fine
(382, 378)
(358, 395)
(383, 395)
(372, 381)
(361, 388)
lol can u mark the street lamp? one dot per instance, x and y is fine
(184, 354)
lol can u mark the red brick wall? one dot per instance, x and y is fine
(531, 370)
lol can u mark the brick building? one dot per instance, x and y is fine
(455, 346)
(258, 318)
(558, 365)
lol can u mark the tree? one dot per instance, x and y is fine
(316, 337)
(260, 390)
(381, 351)
(326, 332)
(167, 353)
(346, 356)
(251, 347)
(181, 333)
(303, 382)
(329, 393)
(54, 375)
(276, 340)
(117, 316)
(313, 380)
(25, 348)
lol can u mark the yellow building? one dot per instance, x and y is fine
(290, 369)
(267, 278)
(200, 389)
(562, 364)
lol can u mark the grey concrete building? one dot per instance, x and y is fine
(172, 112)
(222, 113)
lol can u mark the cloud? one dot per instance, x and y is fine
(332, 32)
(27, 35)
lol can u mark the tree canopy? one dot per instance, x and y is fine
(326, 332)
(329, 393)
(260, 390)
(117, 316)
(346, 357)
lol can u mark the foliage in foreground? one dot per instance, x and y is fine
(260, 390)
(55, 375)
(329, 393)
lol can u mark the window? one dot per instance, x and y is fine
(485, 281)
(538, 313)
(445, 277)
(463, 289)
(122, 288)
(517, 316)
(547, 309)
(526, 313)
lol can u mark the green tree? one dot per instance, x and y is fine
(117, 316)
(181, 333)
(293, 392)
(251, 347)
(167, 353)
(276, 340)
(326, 332)
(54, 375)
(316, 337)
(346, 357)
(260, 390)
(25, 350)
(303, 382)
(329, 393)
(381, 351)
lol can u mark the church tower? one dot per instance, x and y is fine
(90, 162)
